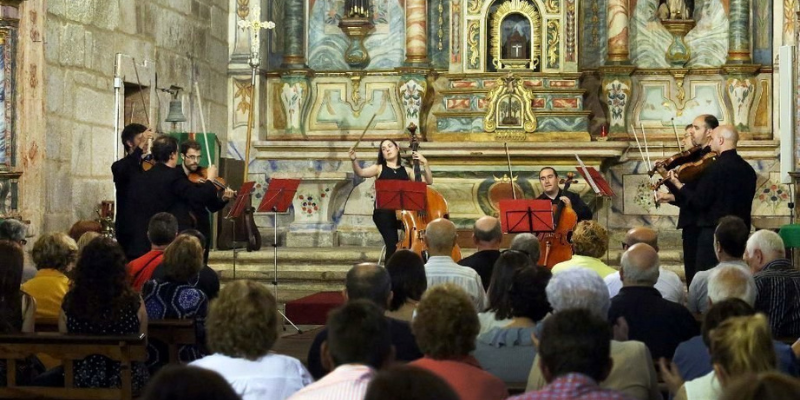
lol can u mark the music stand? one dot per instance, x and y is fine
(526, 216)
(278, 198)
(400, 195)
(236, 211)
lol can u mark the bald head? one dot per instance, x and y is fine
(724, 137)
(368, 281)
(441, 237)
(641, 234)
(487, 233)
(639, 266)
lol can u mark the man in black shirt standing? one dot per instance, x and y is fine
(727, 187)
(549, 179)
(135, 138)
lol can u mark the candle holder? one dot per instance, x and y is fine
(356, 24)
(678, 53)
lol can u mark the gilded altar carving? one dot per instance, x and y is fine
(553, 43)
(509, 112)
(529, 17)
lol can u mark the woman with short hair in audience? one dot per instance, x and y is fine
(446, 326)
(508, 352)
(243, 326)
(739, 346)
(17, 308)
(78, 229)
(176, 297)
(101, 301)
(54, 255)
(85, 239)
(409, 282)
(498, 314)
(177, 382)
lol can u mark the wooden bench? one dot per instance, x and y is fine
(69, 348)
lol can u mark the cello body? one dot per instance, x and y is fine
(556, 246)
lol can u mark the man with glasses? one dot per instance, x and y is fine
(548, 177)
(201, 209)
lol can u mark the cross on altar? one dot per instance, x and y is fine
(516, 48)
(255, 25)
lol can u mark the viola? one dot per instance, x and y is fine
(415, 223)
(200, 175)
(688, 165)
(556, 246)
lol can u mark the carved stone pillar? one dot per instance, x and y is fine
(416, 33)
(616, 95)
(618, 32)
(294, 52)
(739, 34)
(10, 172)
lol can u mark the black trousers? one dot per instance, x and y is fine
(698, 250)
(386, 222)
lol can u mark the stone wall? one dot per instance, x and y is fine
(180, 41)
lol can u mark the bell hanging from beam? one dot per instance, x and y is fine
(175, 114)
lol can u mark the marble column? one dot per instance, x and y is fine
(294, 41)
(739, 34)
(416, 32)
(618, 31)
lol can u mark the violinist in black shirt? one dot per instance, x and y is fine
(549, 179)
(727, 187)
(135, 138)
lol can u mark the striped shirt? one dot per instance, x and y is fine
(346, 382)
(442, 269)
(778, 296)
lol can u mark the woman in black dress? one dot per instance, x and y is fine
(389, 167)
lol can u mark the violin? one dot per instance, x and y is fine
(687, 165)
(556, 246)
(200, 175)
(415, 223)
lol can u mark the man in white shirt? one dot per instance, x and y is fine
(669, 283)
(440, 237)
(358, 345)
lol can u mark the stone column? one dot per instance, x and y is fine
(739, 34)
(416, 33)
(618, 32)
(294, 42)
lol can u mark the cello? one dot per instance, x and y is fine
(556, 246)
(415, 223)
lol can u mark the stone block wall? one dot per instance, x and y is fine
(183, 41)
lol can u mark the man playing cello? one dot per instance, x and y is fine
(549, 179)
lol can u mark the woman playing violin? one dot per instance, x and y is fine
(388, 166)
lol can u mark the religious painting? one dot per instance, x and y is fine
(515, 28)
(516, 36)
(8, 34)
(509, 112)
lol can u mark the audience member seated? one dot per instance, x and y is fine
(731, 282)
(527, 243)
(85, 239)
(508, 352)
(589, 243)
(764, 386)
(403, 382)
(661, 324)
(498, 314)
(15, 231)
(368, 282)
(176, 297)
(243, 326)
(575, 356)
(440, 268)
(177, 382)
(692, 358)
(669, 284)
(358, 343)
(54, 255)
(730, 238)
(161, 231)
(487, 234)
(739, 346)
(79, 228)
(101, 301)
(407, 271)
(446, 327)
(17, 308)
(632, 372)
(777, 283)
(207, 279)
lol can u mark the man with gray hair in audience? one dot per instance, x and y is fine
(777, 283)
(632, 372)
(661, 324)
(440, 268)
(731, 282)
(527, 243)
(15, 231)
(487, 234)
(669, 284)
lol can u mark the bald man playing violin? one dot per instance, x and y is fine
(726, 187)
(201, 209)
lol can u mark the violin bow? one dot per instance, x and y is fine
(645, 160)
(510, 172)
(677, 139)
(203, 122)
(366, 128)
(141, 92)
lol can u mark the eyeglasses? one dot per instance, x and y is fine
(194, 158)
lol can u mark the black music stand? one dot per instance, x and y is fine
(236, 211)
(400, 195)
(278, 198)
(526, 216)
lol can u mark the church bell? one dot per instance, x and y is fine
(175, 111)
